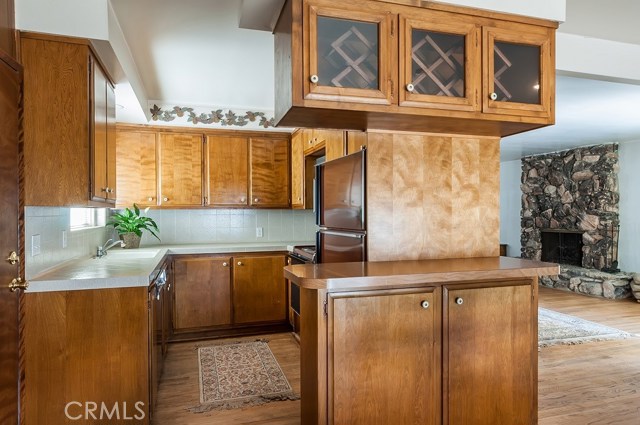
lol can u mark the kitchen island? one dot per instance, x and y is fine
(450, 341)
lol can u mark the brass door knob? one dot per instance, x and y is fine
(13, 258)
(18, 283)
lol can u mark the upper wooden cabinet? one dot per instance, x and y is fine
(227, 168)
(435, 68)
(103, 142)
(68, 109)
(136, 168)
(175, 169)
(269, 183)
(7, 28)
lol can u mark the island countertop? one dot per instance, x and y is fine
(386, 274)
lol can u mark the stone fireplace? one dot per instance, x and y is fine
(570, 216)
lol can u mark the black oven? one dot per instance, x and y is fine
(299, 255)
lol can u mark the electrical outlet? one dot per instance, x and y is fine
(35, 245)
(259, 232)
(64, 239)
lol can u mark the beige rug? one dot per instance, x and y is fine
(240, 374)
(556, 328)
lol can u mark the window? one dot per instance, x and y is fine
(85, 218)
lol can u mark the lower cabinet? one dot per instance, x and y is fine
(224, 293)
(452, 354)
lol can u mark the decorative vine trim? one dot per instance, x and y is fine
(228, 118)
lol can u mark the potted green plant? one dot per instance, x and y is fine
(130, 223)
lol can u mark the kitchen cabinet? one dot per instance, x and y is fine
(356, 141)
(227, 170)
(7, 28)
(103, 142)
(390, 340)
(225, 295)
(430, 68)
(259, 289)
(63, 118)
(181, 169)
(269, 172)
(487, 340)
(136, 168)
(297, 169)
(202, 292)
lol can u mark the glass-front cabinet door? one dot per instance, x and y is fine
(439, 62)
(518, 72)
(349, 55)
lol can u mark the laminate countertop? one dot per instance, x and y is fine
(123, 268)
(388, 274)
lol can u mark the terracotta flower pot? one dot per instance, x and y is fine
(131, 240)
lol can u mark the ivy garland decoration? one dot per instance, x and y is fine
(228, 118)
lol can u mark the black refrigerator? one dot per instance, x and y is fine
(340, 209)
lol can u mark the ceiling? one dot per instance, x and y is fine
(194, 53)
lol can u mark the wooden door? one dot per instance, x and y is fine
(356, 141)
(333, 142)
(349, 54)
(439, 60)
(227, 166)
(99, 185)
(297, 170)
(202, 288)
(180, 170)
(269, 162)
(136, 169)
(111, 143)
(259, 289)
(384, 365)
(519, 72)
(490, 355)
(10, 77)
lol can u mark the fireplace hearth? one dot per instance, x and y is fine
(562, 246)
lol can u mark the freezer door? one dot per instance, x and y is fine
(341, 187)
(341, 247)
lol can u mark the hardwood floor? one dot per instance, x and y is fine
(590, 384)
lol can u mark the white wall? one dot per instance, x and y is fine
(629, 181)
(85, 18)
(510, 205)
(545, 9)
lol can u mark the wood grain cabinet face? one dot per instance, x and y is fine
(181, 170)
(259, 289)
(202, 292)
(519, 73)
(390, 341)
(227, 166)
(489, 355)
(136, 168)
(439, 61)
(103, 166)
(297, 170)
(269, 172)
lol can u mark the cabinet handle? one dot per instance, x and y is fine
(165, 199)
(104, 189)
(310, 141)
(225, 264)
(424, 304)
(314, 79)
(410, 87)
(459, 301)
(493, 96)
(240, 263)
(149, 199)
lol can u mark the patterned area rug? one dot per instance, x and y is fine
(556, 328)
(240, 374)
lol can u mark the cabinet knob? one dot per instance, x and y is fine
(165, 199)
(459, 301)
(410, 87)
(104, 189)
(256, 200)
(310, 141)
(243, 199)
(149, 199)
(493, 96)
(424, 304)
(314, 79)
(240, 263)
(299, 198)
(225, 264)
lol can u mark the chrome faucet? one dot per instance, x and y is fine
(102, 250)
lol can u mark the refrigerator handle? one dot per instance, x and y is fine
(316, 200)
(345, 234)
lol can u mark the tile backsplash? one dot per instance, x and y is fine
(176, 227)
(231, 225)
(49, 223)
